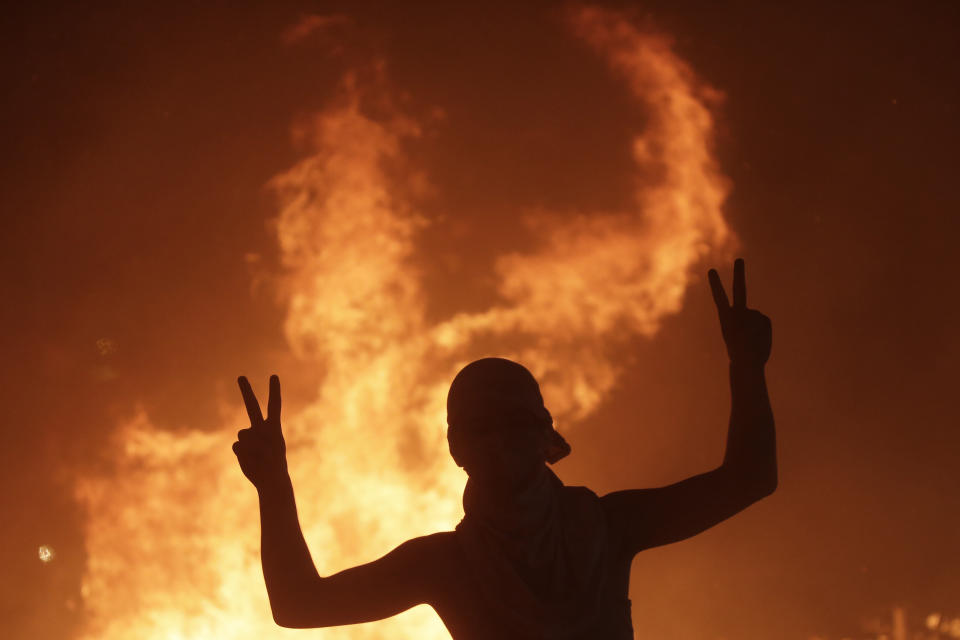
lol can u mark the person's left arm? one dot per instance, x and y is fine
(657, 516)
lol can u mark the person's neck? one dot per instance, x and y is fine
(513, 507)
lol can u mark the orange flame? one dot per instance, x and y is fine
(173, 539)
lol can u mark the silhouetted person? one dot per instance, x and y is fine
(532, 558)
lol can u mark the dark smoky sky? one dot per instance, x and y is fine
(137, 141)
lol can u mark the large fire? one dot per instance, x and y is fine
(173, 536)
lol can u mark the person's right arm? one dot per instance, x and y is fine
(299, 596)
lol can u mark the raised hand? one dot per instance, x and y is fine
(747, 332)
(260, 449)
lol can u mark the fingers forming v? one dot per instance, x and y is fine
(273, 402)
(250, 400)
(739, 285)
(719, 295)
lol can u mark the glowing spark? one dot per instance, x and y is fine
(46, 553)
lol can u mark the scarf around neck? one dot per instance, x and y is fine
(538, 556)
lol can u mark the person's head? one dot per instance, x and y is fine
(499, 431)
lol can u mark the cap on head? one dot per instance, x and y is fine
(491, 387)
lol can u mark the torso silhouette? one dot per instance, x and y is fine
(452, 591)
(435, 569)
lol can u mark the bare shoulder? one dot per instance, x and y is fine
(432, 543)
(435, 559)
(431, 551)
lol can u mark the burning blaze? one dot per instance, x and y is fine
(173, 536)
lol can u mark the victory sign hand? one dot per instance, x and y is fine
(747, 332)
(260, 449)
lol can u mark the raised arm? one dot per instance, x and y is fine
(299, 596)
(657, 516)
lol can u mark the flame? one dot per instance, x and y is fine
(172, 536)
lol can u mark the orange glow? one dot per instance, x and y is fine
(173, 537)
